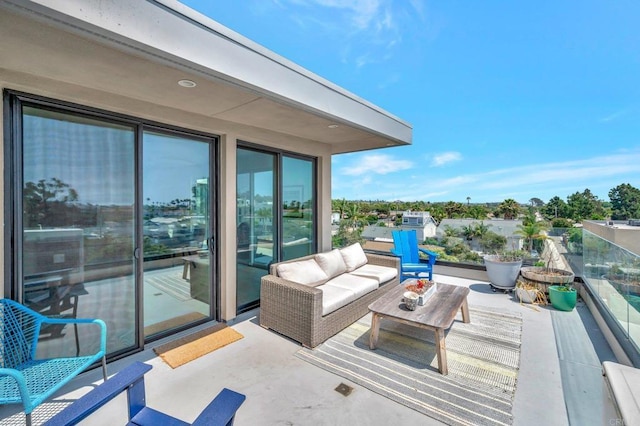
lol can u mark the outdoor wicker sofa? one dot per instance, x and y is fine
(295, 308)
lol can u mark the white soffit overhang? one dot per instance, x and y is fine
(140, 49)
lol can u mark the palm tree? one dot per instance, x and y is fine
(532, 231)
(469, 231)
(482, 229)
(263, 215)
(341, 206)
(453, 209)
(509, 209)
(355, 216)
(475, 230)
(450, 231)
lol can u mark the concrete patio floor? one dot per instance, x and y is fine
(284, 390)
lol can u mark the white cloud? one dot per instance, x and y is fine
(418, 6)
(614, 116)
(445, 158)
(567, 171)
(535, 180)
(361, 12)
(547, 177)
(370, 30)
(381, 164)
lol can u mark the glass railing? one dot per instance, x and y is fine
(613, 274)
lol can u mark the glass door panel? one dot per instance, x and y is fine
(176, 232)
(298, 206)
(78, 233)
(256, 231)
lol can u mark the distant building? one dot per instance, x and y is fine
(506, 228)
(424, 225)
(378, 233)
(624, 233)
(335, 218)
(422, 222)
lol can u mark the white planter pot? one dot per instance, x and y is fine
(424, 297)
(526, 296)
(502, 275)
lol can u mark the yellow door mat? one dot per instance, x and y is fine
(188, 348)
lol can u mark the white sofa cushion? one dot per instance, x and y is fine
(331, 263)
(334, 297)
(354, 257)
(306, 272)
(359, 285)
(382, 274)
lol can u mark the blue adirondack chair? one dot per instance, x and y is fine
(29, 380)
(220, 412)
(405, 246)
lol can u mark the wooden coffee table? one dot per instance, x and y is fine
(437, 315)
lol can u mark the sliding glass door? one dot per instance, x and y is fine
(78, 223)
(298, 207)
(176, 228)
(275, 215)
(256, 233)
(112, 219)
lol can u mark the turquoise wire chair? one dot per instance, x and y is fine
(405, 246)
(26, 379)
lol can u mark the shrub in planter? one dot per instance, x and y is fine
(563, 297)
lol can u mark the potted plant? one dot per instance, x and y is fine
(544, 276)
(423, 288)
(529, 293)
(503, 268)
(563, 297)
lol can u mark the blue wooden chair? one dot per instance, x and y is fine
(221, 411)
(29, 380)
(405, 246)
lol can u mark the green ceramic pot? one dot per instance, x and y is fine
(563, 298)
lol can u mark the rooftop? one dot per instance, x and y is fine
(559, 380)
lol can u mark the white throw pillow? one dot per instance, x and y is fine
(302, 272)
(354, 257)
(331, 263)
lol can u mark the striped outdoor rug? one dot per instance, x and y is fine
(483, 359)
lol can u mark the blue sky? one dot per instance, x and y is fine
(506, 99)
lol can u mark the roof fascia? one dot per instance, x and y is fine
(149, 28)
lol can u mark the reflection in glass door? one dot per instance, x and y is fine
(78, 226)
(176, 231)
(275, 216)
(298, 207)
(96, 231)
(256, 231)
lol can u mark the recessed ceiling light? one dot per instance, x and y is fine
(333, 126)
(187, 83)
